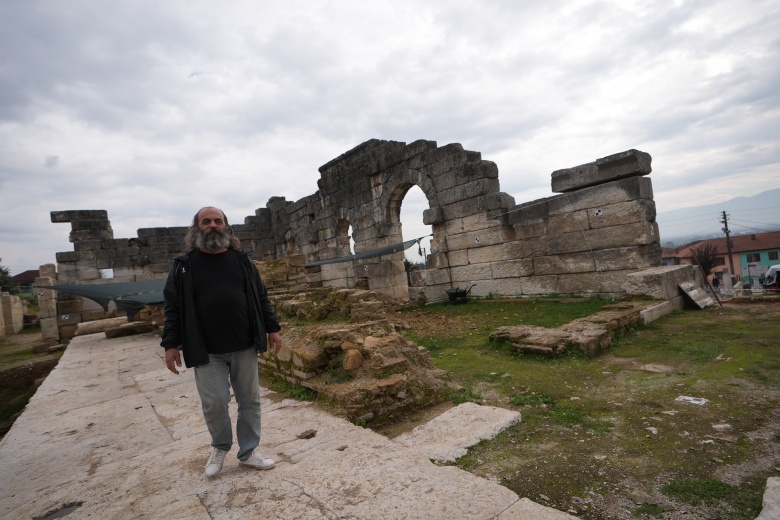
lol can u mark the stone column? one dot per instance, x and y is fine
(47, 302)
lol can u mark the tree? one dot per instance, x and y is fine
(705, 256)
(5, 277)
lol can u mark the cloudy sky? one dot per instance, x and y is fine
(150, 110)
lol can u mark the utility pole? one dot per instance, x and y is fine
(725, 229)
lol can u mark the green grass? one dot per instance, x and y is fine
(591, 427)
(295, 391)
(744, 504)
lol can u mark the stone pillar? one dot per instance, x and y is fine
(47, 302)
(727, 287)
(13, 313)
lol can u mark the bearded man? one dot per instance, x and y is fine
(217, 312)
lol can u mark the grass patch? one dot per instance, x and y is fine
(533, 399)
(744, 502)
(464, 395)
(597, 426)
(296, 392)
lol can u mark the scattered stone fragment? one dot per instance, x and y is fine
(308, 434)
(692, 400)
(640, 497)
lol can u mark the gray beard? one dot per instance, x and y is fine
(212, 240)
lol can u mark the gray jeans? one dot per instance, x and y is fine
(213, 381)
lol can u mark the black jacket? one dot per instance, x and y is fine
(182, 329)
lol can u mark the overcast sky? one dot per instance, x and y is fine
(150, 110)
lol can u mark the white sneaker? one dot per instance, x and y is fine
(258, 462)
(214, 465)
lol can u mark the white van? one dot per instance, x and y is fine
(772, 278)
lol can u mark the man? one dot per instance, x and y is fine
(218, 313)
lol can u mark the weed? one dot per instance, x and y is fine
(533, 399)
(283, 386)
(744, 502)
(648, 509)
(463, 396)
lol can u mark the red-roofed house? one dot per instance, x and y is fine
(751, 254)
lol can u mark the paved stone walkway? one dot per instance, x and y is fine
(111, 434)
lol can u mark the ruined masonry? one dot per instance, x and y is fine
(585, 241)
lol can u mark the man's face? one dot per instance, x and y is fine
(211, 236)
(211, 218)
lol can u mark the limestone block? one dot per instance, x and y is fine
(535, 285)
(486, 237)
(49, 328)
(622, 213)
(129, 329)
(80, 214)
(625, 190)
(467, 273)
(513, 268)
(48, 271)
(91, 238)
(566, 263)
(463, 208)
(90, 225)
(527, 248)
(568, 222)
(401, 293)
(530, 229)
(2, 320)
(499, 288)
(625, 164)
(635, 257)
(478, 222)
(660, 282)
(47, 308)
(662, 309)
(434, 215)
(68, 306)
(435, 276)
(606, 283)
(441, 260)
(67, 332)
(481, 255)
(638, 233)
(91, 327)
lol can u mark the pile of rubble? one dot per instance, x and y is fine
(364, 366)
(592, 335)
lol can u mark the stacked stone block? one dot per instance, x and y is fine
(585, 240)
(47, 302)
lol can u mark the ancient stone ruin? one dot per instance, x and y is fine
(584, 241)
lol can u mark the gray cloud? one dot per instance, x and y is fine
(151, 110)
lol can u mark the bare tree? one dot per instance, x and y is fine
(705, 256)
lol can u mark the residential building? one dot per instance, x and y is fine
(751, 255)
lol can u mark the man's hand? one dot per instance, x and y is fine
(172, 356)
(275, 341)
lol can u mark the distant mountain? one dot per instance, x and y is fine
(746, 215)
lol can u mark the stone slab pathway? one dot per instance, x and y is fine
(112, 432)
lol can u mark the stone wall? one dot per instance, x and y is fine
(584, 241)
